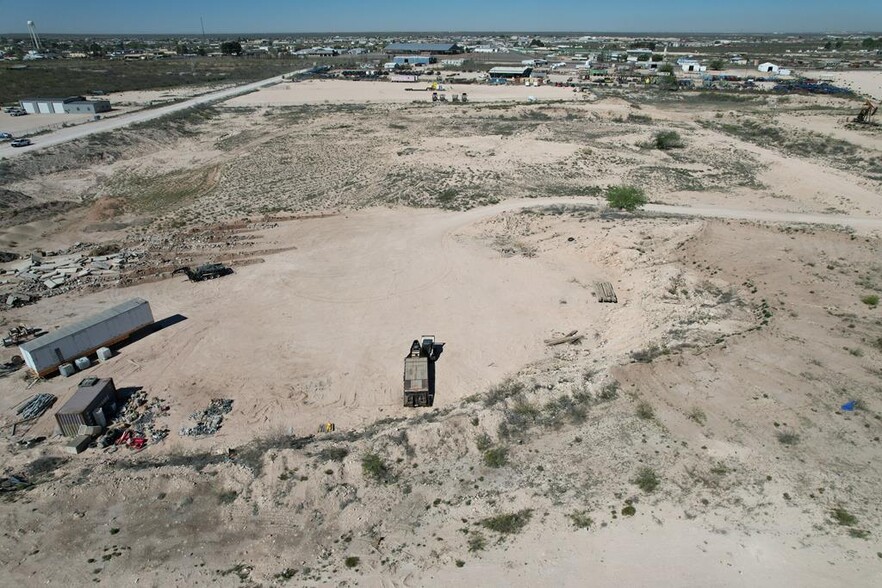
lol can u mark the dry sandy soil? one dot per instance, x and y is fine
(693, 437)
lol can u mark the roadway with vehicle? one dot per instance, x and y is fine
(110, 124)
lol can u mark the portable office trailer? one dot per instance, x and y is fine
(44, 354)
(93, 404)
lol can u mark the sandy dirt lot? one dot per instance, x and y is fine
(693, 433)
(342, 92)
(22, 125)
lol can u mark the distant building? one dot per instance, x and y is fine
(510, 72)
(69, 105)
(768, 68)
(453, 62)
(413, 60)
(691, 66)
(317, 52)
(421, 48)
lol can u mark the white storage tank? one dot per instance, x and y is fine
(45, 354)
(82, 363)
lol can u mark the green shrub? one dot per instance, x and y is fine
(665, 140)
(788, 438)
(496, 457)
(373, 466)
(581, 520)
(483, 442)
(843, 517)
(645, 410)
(628, 198)
(647, 480)
(352, 561)
(477, 542)
(333, 454)
(870, 300)
(509, 523)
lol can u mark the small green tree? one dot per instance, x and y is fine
(716, 64)
(628, 198)
(231, 48)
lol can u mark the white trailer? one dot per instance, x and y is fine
(44, 354)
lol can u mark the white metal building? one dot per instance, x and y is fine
(768, 68)
(44, 354)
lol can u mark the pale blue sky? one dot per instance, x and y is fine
(282, 16)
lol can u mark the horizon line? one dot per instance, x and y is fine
(462, 31)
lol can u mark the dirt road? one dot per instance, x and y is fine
(102, 126)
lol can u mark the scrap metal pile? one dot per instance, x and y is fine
(11, 366)
(135, 424)
(812, 88)
(208, 421)
(32, 409)
(20, 334)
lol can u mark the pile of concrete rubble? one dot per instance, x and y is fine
(208, 421)
(42, 275)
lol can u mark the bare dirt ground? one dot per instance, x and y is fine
(694, 434)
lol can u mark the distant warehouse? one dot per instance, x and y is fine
(423, 48)
(44, 354)
(511, 72)
(69, 105)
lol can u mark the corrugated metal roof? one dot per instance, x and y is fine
(58, 335)
(86, 396)
(67, 99)
(510, 70)
(392, 47)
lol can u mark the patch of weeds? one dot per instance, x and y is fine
(629, 511)
(609, 391)
(496, 457)
(843, 517)
(333, 454)
(581, 520)
(788, 438)
(697, 415)
(352, 561)
(645, 411)
(870, 300)
(241, 571)
(502, 391)
(483, 442)
(477, 542)
(114, 531)
(628, 198)
(509, 523)
(459, 563)
(373, 467)
(650, 353)
(646, 479)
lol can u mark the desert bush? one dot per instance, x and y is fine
(646, 479)
(509, 523)
(373, 466)
(609, 391)
(788, 438)
(496, 457)
(483, 442)
(665, 140)
(697, 415)
(352, 561)
(870, 300)
(477, 542)
(581, 520)
(843, 517)
(503, 391)
(645, 410)
(628, 198)
(333, 453)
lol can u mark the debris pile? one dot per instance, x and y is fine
(34, 407)
(135, 423)
(13, 365)
(20, 334)
(208, 421)
(49, 275)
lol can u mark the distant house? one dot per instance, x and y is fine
(423, 48)
(692, 66)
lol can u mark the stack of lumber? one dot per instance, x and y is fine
(605, 292)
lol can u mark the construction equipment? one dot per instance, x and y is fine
(865, 116)
(20, 334)
(208, 271)
(419, 371)
(327, 428)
